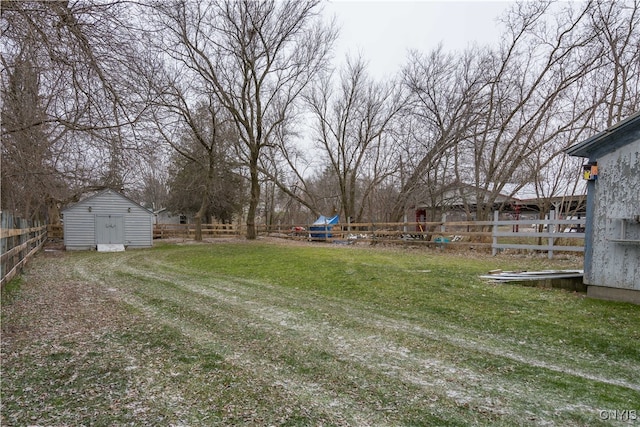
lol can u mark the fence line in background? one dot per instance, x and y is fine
(188, 231)
(547, 235)
(55, 231)
(19, 241)
(550, 229)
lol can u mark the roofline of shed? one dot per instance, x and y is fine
(590, 145)
(87, 199)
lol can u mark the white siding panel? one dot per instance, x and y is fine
(79, 221)
(138, 230)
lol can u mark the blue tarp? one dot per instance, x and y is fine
(321, 227)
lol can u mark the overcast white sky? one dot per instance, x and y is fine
(383, 31)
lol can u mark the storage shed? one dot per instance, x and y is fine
(612, 232)
(108, 220)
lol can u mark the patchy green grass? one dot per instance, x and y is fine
(251, 333)
(10, 289)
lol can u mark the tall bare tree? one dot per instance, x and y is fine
(80, 54)
(444, 93)
(527, 81)
(354, 132)
(200, 132)
(615, 84)
(500, 116)
(27, 158)
(607, 93)
(255, 57)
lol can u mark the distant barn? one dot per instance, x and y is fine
(108, 220)
(612, 244)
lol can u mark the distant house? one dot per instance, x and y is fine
(107, 218)
(163, 216)
(518, 203)
(454, 203)
(612, 245)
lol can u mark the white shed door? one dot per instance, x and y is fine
(109, 229)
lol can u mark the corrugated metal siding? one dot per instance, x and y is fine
(79, 223)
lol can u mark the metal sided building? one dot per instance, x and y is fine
(612, 232)
(108, 219)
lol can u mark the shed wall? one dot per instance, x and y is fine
(79, 223)
(617, 197)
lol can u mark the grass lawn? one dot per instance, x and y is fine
(257, 333)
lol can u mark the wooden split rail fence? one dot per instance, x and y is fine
(553, 235)
(188, 231)
(546, 235)
(19, 241)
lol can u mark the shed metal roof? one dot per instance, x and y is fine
(107, 191)
(618, 135)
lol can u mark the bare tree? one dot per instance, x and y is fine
(353, 131)
(80, 54)
(255, 57)
(200, 131)
(292, 168)
(524, 98)
(442, 113)
(503, 116)
(27, 158)
(606, 94)
(152, 190)
(615, 84)
(586, 74)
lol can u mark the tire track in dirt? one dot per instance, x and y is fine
(282, 311)
(277, 303)
(343, 410)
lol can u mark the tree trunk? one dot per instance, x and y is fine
(53, 212)
(201, 212)
(205, 194)
(254, 200)
(198, 224)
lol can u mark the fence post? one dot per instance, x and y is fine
(494, 230)
(4, 241)
(551, 228)
(20, 239)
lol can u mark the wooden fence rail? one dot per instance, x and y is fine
(55, 231)
(164, 231)
(551, 230)
(19, 241)
(547, 235)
